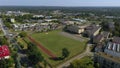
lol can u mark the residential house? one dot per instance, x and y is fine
(12, 20)
(35, 26)
(4, 52)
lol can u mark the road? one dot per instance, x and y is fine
(3, 27)
(22, 55)
(86, 53)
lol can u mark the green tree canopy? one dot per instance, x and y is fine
(65, 52)
(23, 34)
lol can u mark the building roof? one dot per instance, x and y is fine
(99, 46)
(98, 37)
(4, 51)
(105, 34)
(113, 47)
(106, 56)
(116, 40)
(92, 29)
(111, 25)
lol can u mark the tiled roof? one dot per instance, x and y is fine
(4, 51)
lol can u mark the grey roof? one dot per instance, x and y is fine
(98, 37)
(116, 40)
(105, 34)
(92, 29)
(113, 49)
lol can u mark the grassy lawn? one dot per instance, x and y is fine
(55, 42)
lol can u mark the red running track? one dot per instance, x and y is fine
(49, 53)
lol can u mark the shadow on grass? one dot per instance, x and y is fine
(56, 58)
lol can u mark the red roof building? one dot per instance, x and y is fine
(4, 52)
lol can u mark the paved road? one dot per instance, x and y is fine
(73, 36)
(86, 53)
(5, 31)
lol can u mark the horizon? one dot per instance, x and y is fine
(66, 3)
(50, 6)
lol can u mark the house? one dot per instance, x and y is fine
(38, 16)
(98, 38)
(106, 34)
(116, 39)
(35, 26)
(92, 30)
(40, 21)
(99, 47)
(111, 26)
(72, 22)
(68, 22)
(110, 17)
(48, 17)
(106, 61)
(75, 29)
(4, 52)
(101, 37)
(12, 20)
(16, 13)
(108, 56)
(79, 20)
(113, 47)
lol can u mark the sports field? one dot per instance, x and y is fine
(54, 42)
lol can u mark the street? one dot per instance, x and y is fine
(5, 31)
(22, 55)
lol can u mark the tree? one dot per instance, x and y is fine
(45, 63)
(65, 53)
(23, 34)
(35, 58)
(116, 31)
(104, 25)
(3, 41)
(3, 63)
(34, 54)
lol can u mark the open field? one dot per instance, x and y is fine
(54, 42)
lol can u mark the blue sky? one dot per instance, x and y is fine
(60, 2)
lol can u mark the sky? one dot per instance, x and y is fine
(59, 2)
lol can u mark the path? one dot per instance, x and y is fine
(67, 63)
